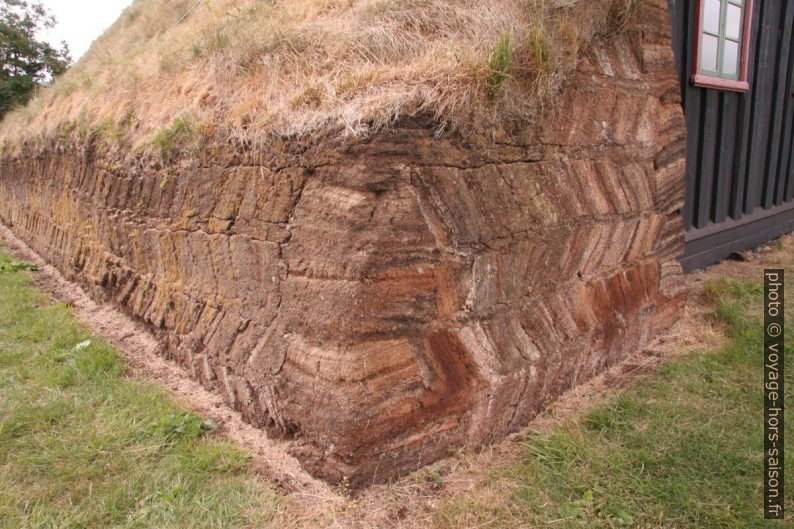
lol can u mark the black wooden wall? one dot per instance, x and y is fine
(740, 168)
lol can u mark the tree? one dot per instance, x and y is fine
(26, 62)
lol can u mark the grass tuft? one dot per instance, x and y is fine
(169, 140)
(499, 62)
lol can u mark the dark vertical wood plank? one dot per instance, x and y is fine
(726, 156)
(679, 19)
(781, 93)
(739, 184)
(784, 158)
(708, 156)
(787, 170)
(763, 95)
(788, 141)
(789, 193)
(692, 98)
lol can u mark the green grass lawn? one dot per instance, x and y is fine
(83, 446)
(682, 449)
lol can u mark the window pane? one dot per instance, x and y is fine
(733, 22)
(730, 58)
(708, 57)
(711, 16)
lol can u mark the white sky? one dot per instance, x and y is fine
(82, 21)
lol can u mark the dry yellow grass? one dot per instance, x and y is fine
(247, 69)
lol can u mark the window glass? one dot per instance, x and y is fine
(712, 14)
(710, 48)
(733, 22)
(730, 58)
(721, 37)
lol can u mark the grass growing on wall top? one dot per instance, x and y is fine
(243, 68)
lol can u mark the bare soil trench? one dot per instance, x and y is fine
(411, 501)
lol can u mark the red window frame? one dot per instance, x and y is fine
(707, 81)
